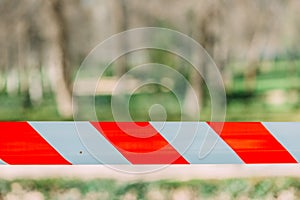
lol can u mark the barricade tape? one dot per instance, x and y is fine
(65, 143)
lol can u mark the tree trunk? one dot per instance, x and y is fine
(121, 24)
(208, 37)
(189, 107)
(57, 63)
(250, 77)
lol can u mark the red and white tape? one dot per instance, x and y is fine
(31, 143)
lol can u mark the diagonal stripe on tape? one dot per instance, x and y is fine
(147, 150)
(287, 133)
(64, 138)
(21, 144)
(98, 145)
(79, 142)
(2, 162)
(253, 143)
(188, 138)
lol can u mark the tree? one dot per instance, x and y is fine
(57, 61)
(119, 8)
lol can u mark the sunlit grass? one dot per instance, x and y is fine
(248, 188)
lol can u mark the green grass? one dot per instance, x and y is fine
(255, 107)
(12, 109)
(251, 188)
(242, 105)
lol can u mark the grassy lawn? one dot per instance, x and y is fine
(11, 109)
(272, 188)
(282, 76)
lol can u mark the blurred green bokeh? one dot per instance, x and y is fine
(280, 83)
(250, 188)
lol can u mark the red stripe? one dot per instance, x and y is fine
(252, 142)
(20, 144)
(153, 149)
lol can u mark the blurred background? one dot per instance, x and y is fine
(255, 45)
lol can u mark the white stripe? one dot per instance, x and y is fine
(74, 140)
(287, 134)
(2, 162)
(188, 138)
(98, 145)
(63, 138)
